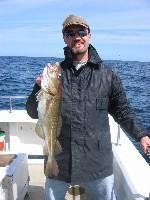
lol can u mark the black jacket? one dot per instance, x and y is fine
(88, 96)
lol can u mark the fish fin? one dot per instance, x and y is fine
(39, 94)
(51, 168)
(45, 150)
(39, 130)
(58, 148)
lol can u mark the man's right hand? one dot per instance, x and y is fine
(38, 80)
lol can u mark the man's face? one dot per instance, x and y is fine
(77, 39)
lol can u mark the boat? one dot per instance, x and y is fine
(25, 173)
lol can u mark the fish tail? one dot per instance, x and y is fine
(51, 168)
(58, 148)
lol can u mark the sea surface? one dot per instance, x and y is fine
(18, 73)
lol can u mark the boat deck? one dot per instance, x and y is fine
(36, 183)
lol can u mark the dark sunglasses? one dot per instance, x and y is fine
(81, 33)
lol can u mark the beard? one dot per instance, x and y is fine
(74, 52)
(79, 51)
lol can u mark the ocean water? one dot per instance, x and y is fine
(18, 73)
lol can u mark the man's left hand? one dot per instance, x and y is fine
(145, 144)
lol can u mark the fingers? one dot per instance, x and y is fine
(145, 144)
(39, 79)
(148, 150)
(148, 146)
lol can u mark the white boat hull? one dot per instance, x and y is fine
(15, 182)
(132, 173)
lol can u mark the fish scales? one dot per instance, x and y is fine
(49, 118)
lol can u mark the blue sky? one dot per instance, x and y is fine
(120, 28)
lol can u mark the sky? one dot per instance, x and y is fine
(120, 28)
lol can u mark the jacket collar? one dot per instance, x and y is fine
(93, 55)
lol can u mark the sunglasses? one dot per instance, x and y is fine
(81, 33)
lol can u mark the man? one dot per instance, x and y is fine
(90, 91)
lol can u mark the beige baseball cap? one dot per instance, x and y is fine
(74, 20)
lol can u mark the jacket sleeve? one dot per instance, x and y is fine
(32, 104)
(122, 112)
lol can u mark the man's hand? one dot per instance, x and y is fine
(38, 80)
(145, 144)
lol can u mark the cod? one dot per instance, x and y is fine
(49, 118)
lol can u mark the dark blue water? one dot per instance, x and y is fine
(17, 77)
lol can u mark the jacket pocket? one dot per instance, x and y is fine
(102, 103)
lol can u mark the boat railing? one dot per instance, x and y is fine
(10, 100)
(25, 97)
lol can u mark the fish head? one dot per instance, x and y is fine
(51, 79)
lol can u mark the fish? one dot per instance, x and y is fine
(48, 125)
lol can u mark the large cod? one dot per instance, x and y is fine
(49, 117)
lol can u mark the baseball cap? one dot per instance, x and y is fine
(74, 20)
